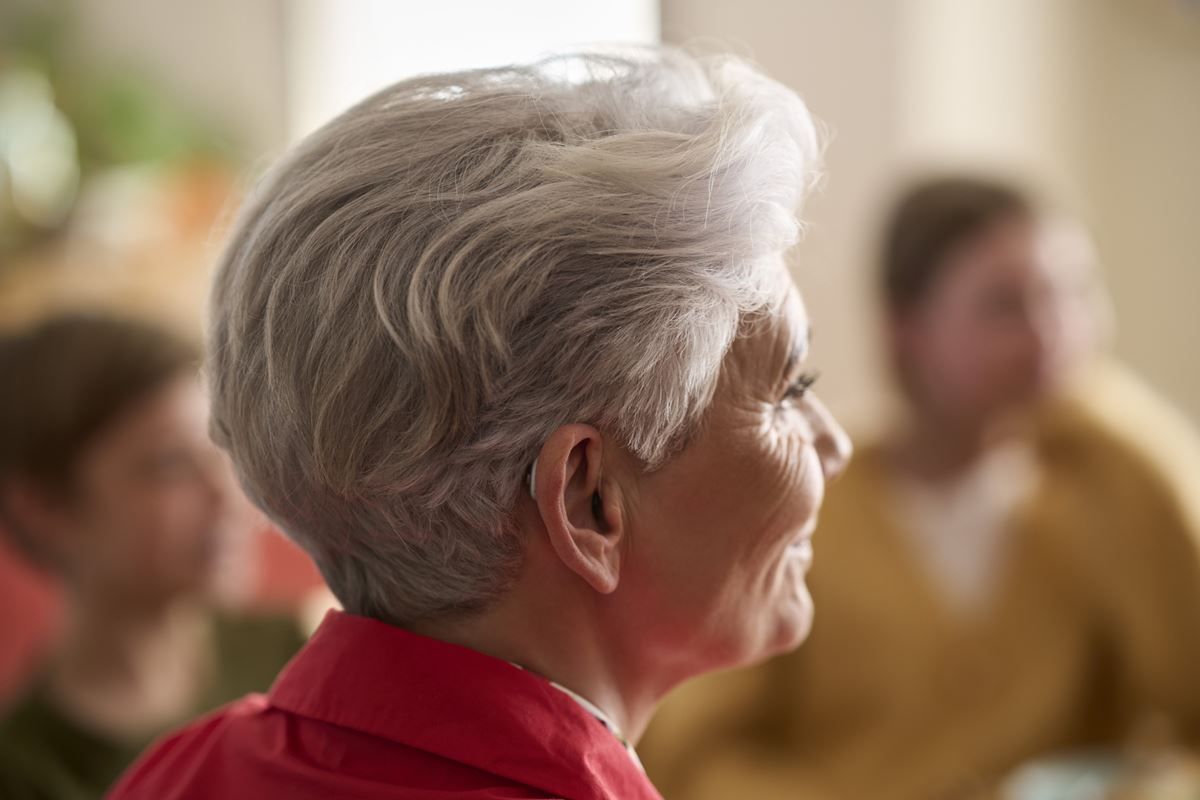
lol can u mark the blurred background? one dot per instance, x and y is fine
(129, 129)
(130, 126)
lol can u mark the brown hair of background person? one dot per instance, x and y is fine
(931, 220)
(110, 483)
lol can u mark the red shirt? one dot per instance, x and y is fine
(368, 710)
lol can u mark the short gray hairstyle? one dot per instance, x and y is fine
(428, 286)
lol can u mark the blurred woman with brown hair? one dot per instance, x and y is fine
(109, 481)
(1012, 573)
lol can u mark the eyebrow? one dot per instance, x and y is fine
(797, 354)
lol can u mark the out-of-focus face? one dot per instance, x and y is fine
(999, 327)
(721, 536)
(154, 511)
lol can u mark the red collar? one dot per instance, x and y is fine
(458, 704)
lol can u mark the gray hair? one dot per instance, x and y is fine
(432, 283)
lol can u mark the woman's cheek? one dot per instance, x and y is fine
(781, 491)
(792, 448)
(805, 474)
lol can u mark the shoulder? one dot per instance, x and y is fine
(1128, 464)
(43, 754)
(251, 750)
(27, 771)
(177, 766)
(1114, 429)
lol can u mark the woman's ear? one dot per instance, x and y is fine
(578, 507)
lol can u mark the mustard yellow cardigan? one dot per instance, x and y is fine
(1095, 629)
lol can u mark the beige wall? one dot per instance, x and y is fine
(223, 58)
(1096, 101)
(1139, 153)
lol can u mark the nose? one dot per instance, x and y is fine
(833, 445)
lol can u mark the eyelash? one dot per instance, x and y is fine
(800, 387)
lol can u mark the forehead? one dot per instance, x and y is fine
(1004, 253)
(770, 344)
(178, 408)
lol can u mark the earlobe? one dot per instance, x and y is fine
(579, 517)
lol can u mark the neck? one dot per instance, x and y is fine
(934, 448)
(126, 668)
(110, 636)
(561, 641)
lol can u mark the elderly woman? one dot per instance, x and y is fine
(515, 356)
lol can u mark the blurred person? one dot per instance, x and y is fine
(1012, 572)
(109, 481)
(514, 355)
